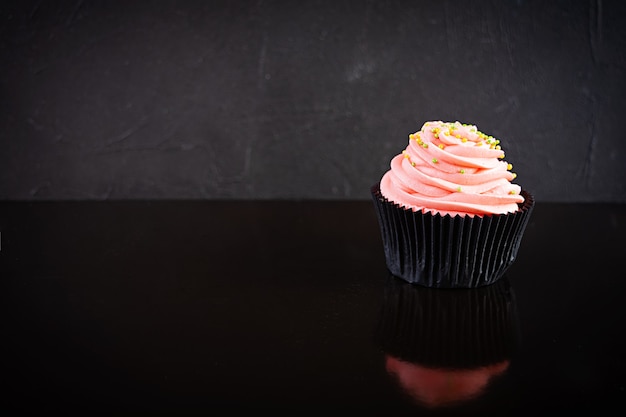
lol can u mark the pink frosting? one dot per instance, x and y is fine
(452, 168)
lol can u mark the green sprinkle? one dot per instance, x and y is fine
(435, 160)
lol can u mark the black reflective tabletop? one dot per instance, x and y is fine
(194, 306)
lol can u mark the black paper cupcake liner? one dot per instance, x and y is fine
(449, 251)
(452, 329)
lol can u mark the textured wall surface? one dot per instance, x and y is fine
(304, 100)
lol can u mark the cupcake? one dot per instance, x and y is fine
(449, 213)
(445, 347)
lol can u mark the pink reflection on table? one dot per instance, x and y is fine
(438, 387)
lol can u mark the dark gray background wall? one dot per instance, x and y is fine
(302, 99)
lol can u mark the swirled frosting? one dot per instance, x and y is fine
(452, 168)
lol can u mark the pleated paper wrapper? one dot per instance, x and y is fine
(449, 251)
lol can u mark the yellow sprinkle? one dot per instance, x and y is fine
(441, 146)
(462, 171)
(458, 189)
(463, 140)
(498, 147)
(412, 163)
(501, 156)
(509, 167)
(512, 192)
(425, 145)
(514, 175)
(478, 143)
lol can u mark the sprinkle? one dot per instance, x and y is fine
(458, 189)
(462, 171)
(435, 160)
(509, 167)
(425, 145)
(498, 147)
(514, 175)
(412, 163)
(463, 140)
(512, 192)
(478, 144)
(441, 146)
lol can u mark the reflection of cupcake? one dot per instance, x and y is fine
(448, 212)
(436, 388)
(446, 346)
